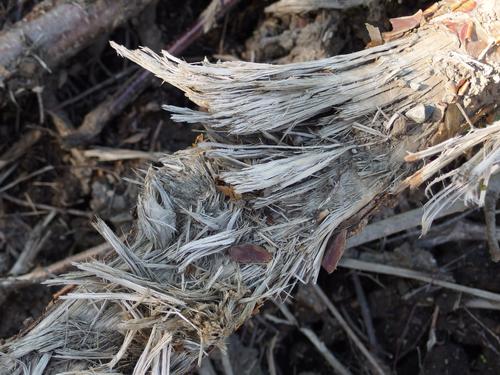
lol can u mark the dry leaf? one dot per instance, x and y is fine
(250, 254)
(334, 252)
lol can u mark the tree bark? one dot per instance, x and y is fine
(56, 30)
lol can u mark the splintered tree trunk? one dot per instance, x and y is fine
(295, 157)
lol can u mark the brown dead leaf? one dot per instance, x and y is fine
(334, 251)
(250, 254)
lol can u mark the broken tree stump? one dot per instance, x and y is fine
(294, 156)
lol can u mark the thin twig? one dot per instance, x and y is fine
(483, 326)
(432, 330)
(115, 154)
(27, 177)
(271, 363)
(365, 311)
(321, 347)
(398, 223)
(33, 245)
(57, 268)
(47, 207)
(97, 119)
(361, 265)
(20, 147)
(490, 202)
(226, 363)
(99, 86)
(337, 315)
(206, 367)
(336, 365)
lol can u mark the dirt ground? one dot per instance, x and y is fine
(413, 328)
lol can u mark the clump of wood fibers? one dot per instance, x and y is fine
(293, 155)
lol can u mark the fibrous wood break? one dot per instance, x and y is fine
(292, 156)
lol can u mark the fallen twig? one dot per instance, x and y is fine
(34, 243)
(56, 30)
(361, 265)
(271, 363)
(47, 207)
(43, 273)
(335, 364)
(226, 364)
(490, 204)
(365, 312)
(94, 121)
(398, 223)
(432, 340)
(302, 6)
(8, 186)
(20, 147)
(462, 230)
(114, 154)
(377, 368)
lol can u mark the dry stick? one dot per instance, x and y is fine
(33, 245)
(206, 367)
(303, 6)
(432, 330)
(337, 315)
(271, 363)
(57, 268)
(51, 33)
(96, 120)
(318, 344)
(365, 311)
(398, 223)
(47, 207)
(314, 339)
(27, 177)
(115, 154)
(479, 303)
(490, 202)
(20, 147)
(226, 363)
(97, 87)
(361, 265)
(463, 230)
(483, 326)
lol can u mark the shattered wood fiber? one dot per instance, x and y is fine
(293, 156)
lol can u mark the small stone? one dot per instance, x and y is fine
(415, 86)
(420, 113)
